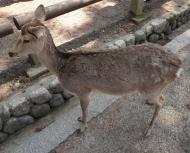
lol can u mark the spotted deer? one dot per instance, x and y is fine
(147, 68)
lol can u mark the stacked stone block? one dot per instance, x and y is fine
(154, 30)
(24, 108)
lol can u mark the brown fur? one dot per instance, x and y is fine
(147, 68)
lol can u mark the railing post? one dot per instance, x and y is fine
(137, 7)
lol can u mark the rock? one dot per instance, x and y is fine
(179, 24)
(120, 43)
(67, 94)
(56, 101)
(179, 19)
(38, 94)
(55, 86)
(16, 123)
(168, 30)
(3, 137)
(184, 19)
(159, 25)
(40, 110)
(184, 10)
(187, 18)
(19, 105)
(177, 14)
(154, 38)
(140, 37)
(162, 36)
(129, 39)
(111, 46)
(148, 29)
(4, 112)
(170, 17)
(1, 123)
(188, 15)
(174, 25)
(46, 81)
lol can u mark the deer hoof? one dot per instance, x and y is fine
(148, 103)
(79, 132)
(82, 129)
(147, 133)
(79, 119)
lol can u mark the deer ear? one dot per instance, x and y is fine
(37, 31)
(40, 13)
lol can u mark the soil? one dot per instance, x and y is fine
(12, 71)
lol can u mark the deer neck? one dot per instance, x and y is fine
(50, 56)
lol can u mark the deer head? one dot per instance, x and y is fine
(32, 34)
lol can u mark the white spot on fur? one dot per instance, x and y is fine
(179, 72)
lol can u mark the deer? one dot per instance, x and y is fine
(146, 68)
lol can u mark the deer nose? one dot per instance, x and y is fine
(11, 54)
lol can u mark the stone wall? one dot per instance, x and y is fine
(154, 30)
(36, 101)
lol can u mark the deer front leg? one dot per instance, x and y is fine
(83, 94)
(156, 111)
(84, 101)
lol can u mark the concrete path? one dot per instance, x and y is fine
(179, 42)
(61, 127)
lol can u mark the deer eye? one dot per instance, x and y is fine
(26, 41)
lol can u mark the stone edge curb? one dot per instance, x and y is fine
(36, 101)
(155, 29)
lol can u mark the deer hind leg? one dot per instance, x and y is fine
(157, 102)
(147, 102)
